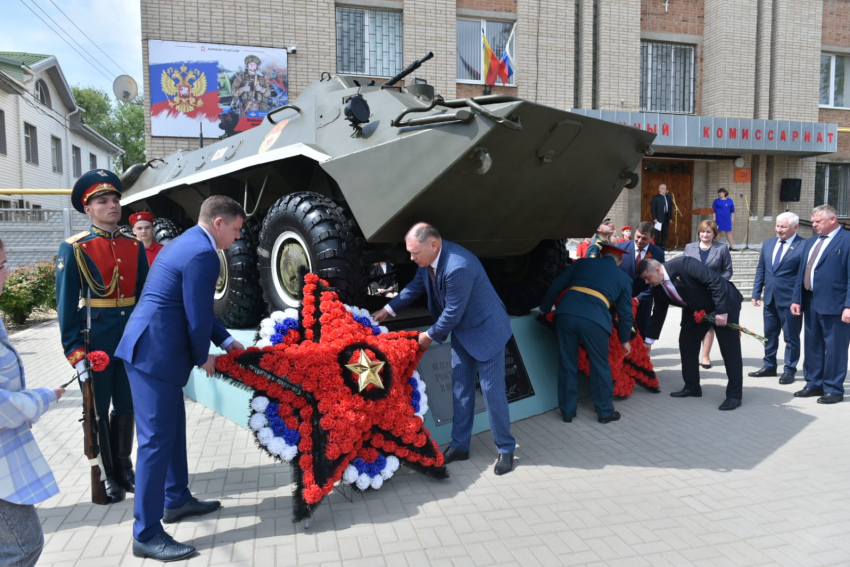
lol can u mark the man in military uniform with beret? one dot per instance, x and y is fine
(105, 268)
(251, 87)
(142, 224)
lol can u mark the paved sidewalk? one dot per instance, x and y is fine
(675, 482)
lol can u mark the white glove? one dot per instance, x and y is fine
(82, 371)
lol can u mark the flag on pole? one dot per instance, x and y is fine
(507, 69)
(492, 65)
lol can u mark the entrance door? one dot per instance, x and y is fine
(679, 177)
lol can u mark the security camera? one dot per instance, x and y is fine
(293, 49)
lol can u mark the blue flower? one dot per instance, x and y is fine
(416, 395)
(376, 330)
(272, 411)
(412, 381)
(415, 406)
(285, 326)
(276, 338)
(292, 437)
(371, 469)
(278, 426)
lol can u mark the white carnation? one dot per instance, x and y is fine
(347, 307)
(415, 374)
(350, 474)
(289, 452)
(290, 314)
(377, 482)
(392, 464)
(276, 446)
(363, 481)
(260, 403)
(277, 317)
(383, 330)
(265, 435)
(263, 343)
(258, 421)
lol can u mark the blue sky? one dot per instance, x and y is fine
(114, 25)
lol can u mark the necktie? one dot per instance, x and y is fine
(665, 203)
(807, 280)
(433, 276)
(638, 257)
(778, 257)
(671, 291)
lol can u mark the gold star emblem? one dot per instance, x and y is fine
(367, 371)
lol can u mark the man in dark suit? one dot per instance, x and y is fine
(169, 333)
(584, 315)
(822, 293)
(462, 302)
(636, 250)
(662, 212)
(779, 263)
(685, 282)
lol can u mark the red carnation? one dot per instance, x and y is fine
(698, 316)
(99, 360)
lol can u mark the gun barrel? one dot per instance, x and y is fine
(408, 70)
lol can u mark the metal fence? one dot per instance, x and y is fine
(31, 235)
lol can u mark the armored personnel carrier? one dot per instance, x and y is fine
(334, 180)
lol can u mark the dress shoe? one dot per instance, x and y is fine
(763, 371)
(162, 547)
(451, 455)
(809, 393)
(831, 399)
(729, 404)
(786, 378)
(704, 365)
(193, 507)
(615, 416)
(684, 393)
(567, 419)
(504, 464)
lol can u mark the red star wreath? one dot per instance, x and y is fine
(342, 402)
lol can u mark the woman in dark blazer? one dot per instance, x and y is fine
(716, 258)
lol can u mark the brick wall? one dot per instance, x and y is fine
(842, 118)
(618, 72)
(546, 75)
(795, 61)
(30, 236)
(431, 25)
(488, 5)
(465, 90)
(682, 16)
(729, 56)
(836, 23)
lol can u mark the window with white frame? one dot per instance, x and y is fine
(92, 161)
(42, 95)
(832, 186)
(835, 80)
(56, 154)
(369, 42)
(667, 77)
(31, 143)
(77, 158)
(470, 49)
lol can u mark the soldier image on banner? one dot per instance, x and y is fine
(251, 87)
(104, 269)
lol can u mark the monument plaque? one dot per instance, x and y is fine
(435, 368)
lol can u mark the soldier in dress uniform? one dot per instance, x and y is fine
(107, 268)
(251, 87)
(603, 233)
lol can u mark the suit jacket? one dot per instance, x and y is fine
(719, 258)
(657, 207)
(472, 311)
(700, 288)
(640, 288)
(831, 293)
(778, 286)
(601, 275)
(171, 328)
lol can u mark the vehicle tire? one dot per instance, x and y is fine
(164, 230)
(238, 296)
(522, 281)
(127, 229)
(308, 230)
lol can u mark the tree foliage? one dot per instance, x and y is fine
(123, 125)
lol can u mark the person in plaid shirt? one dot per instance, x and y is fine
(25, 478)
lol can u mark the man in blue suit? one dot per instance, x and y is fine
(636, 250)
(584, 315)
(168, 334)
(462, 302)
(822, 293)
(779, 263)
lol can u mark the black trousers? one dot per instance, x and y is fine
(663, 233)
(690, 341)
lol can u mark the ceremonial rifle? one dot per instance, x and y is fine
(91, 422)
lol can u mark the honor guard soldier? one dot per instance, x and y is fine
(104, 269)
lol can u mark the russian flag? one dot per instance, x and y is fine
(170, 77)
(506, 70)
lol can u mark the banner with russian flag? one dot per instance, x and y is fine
(221, 88)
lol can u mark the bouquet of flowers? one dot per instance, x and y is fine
(700, 317)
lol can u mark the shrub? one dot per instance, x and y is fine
(28, 288)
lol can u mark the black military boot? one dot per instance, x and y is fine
(114, 492)
(122, 432)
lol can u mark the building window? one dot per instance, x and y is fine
(31, 143)
(832, 186)
(470, 49)
(666, 77)
(2, 132)
(369, 42)
(92, 161)
(56, 154)
(835, 80)
(42, 95)
(77, 158)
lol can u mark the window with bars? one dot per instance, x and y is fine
(470, 49)
(666, 77)
(369, 42)
(835, 80)
(832, 186)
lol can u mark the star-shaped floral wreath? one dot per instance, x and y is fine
(336, 396)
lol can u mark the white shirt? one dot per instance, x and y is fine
(230, 339)
(667, 291)
(785, 248)
(434, 265)
(823, 247)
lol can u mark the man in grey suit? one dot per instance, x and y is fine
(776, 274)
(462, 302)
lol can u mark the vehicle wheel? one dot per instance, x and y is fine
(238, 296)
(126, 229)
(307, 230)
(165, 230)
(522, 281)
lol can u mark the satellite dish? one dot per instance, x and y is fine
(125, 88)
